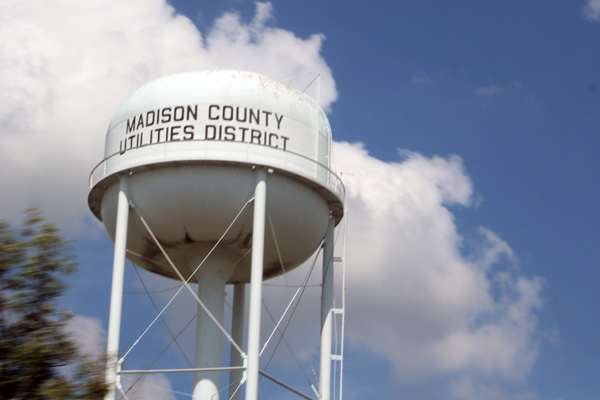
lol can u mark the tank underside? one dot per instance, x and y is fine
(189, 207)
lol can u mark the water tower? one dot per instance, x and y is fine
(219, 177)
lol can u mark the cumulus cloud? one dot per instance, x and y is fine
(591, 11)
(417, 298)
(66, 65)
(419, 294)
(495, 90)
(149, 387)
(492, 250)
(422, 78)
(467, 388)
(88, 333)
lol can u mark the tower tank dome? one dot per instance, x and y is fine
(189, 145)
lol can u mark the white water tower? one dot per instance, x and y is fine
(218, 177)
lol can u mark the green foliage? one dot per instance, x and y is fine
(38, 360)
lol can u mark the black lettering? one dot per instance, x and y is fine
(150, 121)
(178, 113)
(192, 112)
(271, 135)
(229, 133)
(188, 132)
(243, 130)
(213, 134)
(285, 139)
(278, 118)
(210, 108)
(130, 127)
(174, 132)
(237, 114)
(255, 134)
(140, 123)
(256, 116)
(166, 115)
(122, 146)
(158, 131)
(267, 113)
(227, 113)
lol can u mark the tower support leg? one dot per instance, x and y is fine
(327, 313)
(237, 333)
(116, 293)
(256, 277)
(212, 277)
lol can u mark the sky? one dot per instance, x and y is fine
(467, 135)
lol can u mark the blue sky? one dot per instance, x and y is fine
(479, 160)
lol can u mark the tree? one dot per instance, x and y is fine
(38, 359)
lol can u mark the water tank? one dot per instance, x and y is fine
(190, 144)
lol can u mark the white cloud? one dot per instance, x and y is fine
(422, 78)
(66, 65)
(468, 389)
(149, 387)
(88, 333)
(491, 249)
(591, 11)
(417, 295)
(416, 299)
(494, 90)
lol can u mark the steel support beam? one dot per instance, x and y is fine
(326, 313)
(256, 277)
(116, 293)
(237, 333)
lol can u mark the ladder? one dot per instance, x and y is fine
(337, 355)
